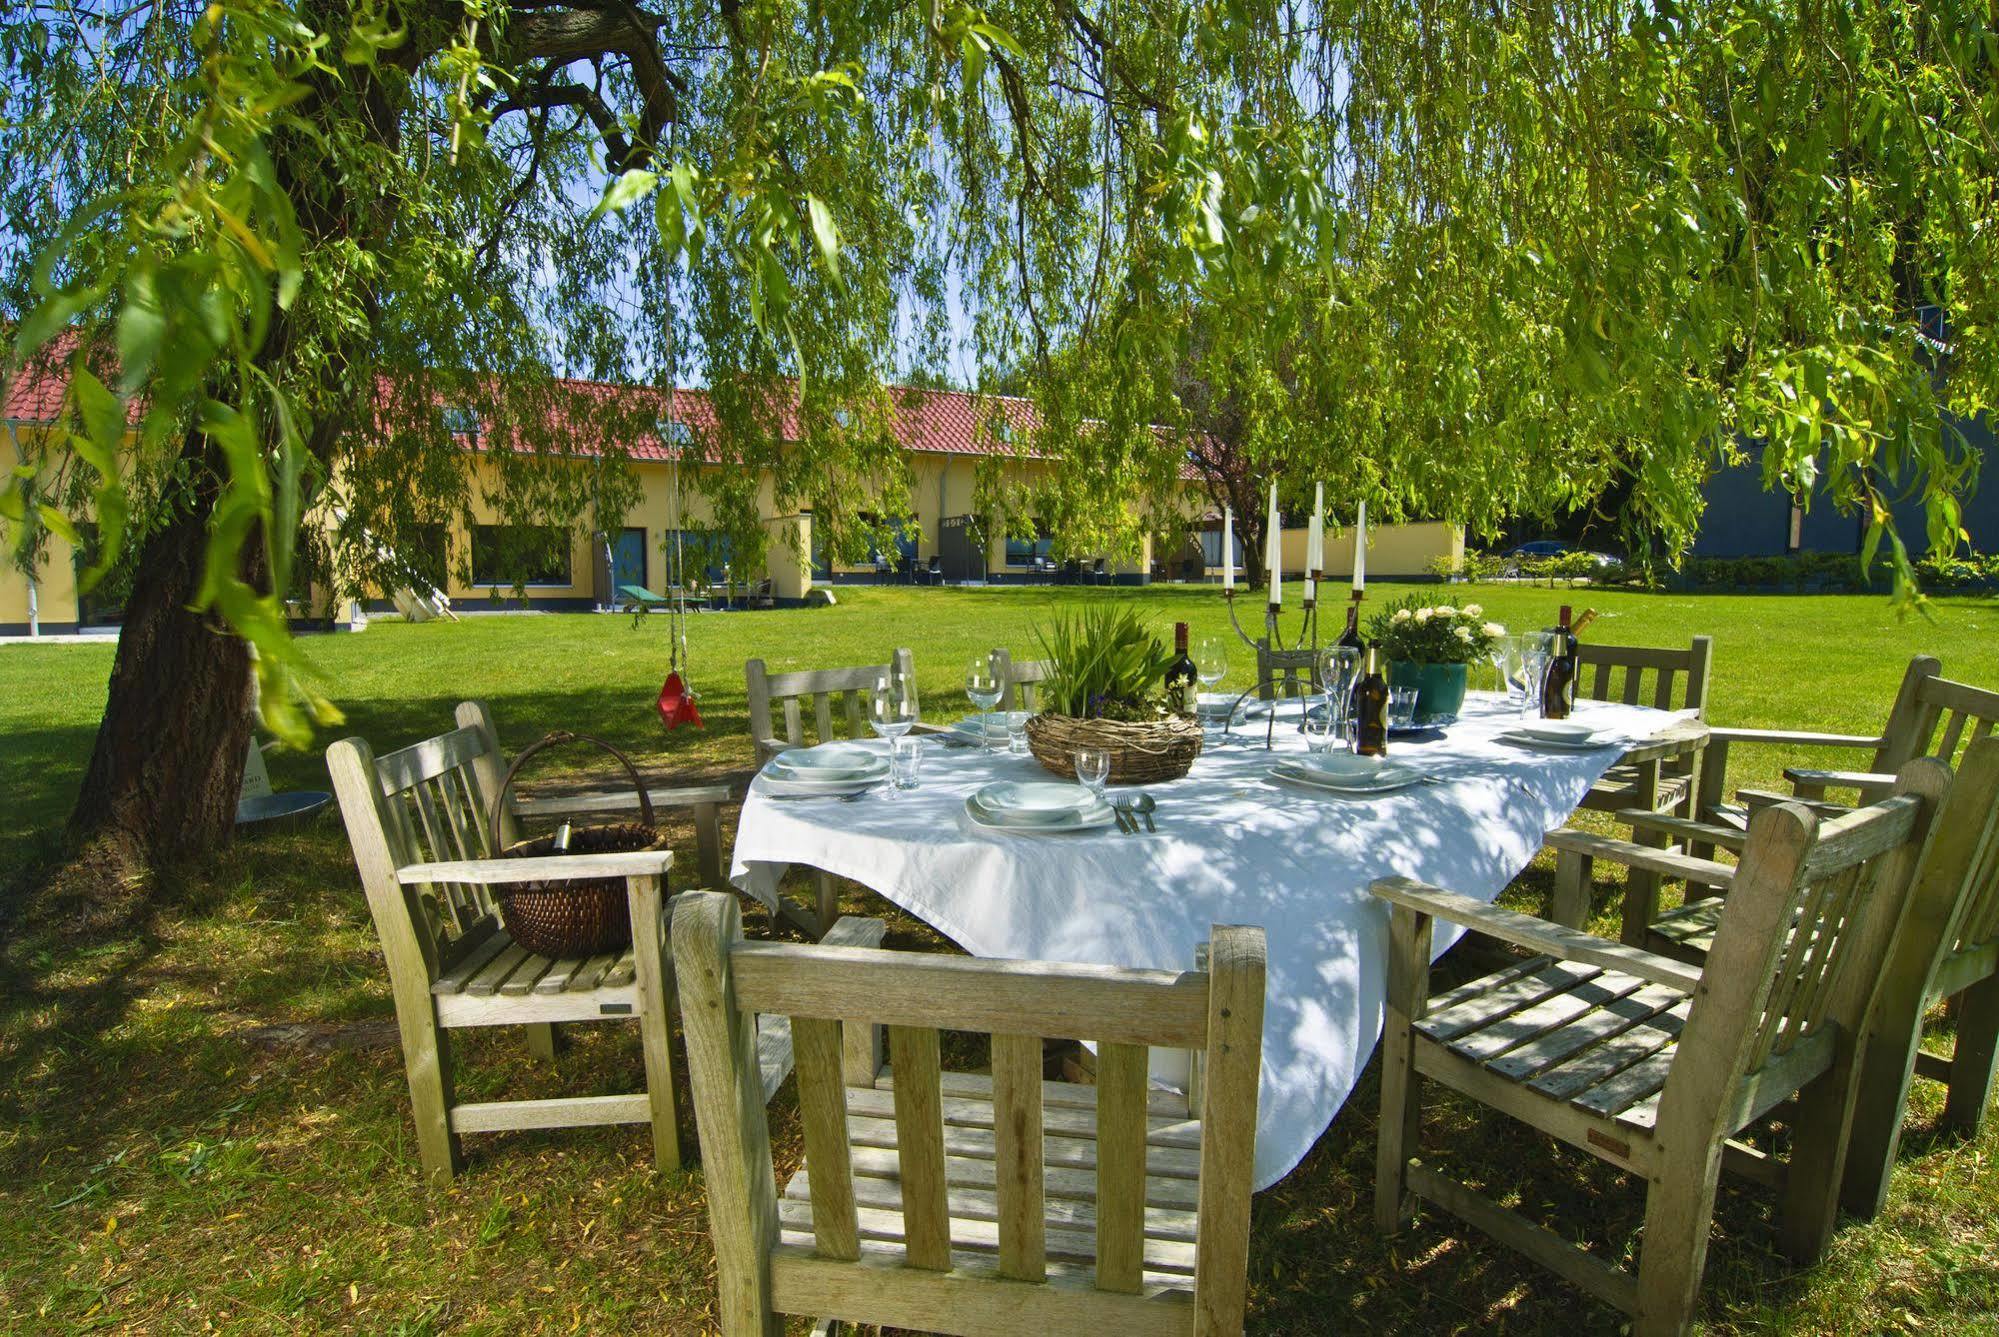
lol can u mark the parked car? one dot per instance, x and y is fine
(1542, 549)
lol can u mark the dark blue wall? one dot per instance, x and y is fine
(1743, 520)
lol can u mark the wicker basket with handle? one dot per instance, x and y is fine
(1142, 752)
(581, 918)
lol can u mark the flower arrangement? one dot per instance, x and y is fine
(1417, 633)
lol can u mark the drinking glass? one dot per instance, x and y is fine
(892, 706)
(1402, 707)
(982, 689)
(1016, 733)
(1211, 665)
(1505, 659)
(1093, 769)
(1536, 649)
(905, 759)
(1339, 667)
(1325, 726)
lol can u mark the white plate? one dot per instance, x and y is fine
(829, 761)
(1347, 767)
(1522, 739)
(783, 788)
(1088, 819)
(1557, 731)
(1214, 703)
(1389, 778)
(1035, 797)
(778, 770)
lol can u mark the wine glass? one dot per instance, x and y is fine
(1536, 649)
(1504, 656)
(1211, 665)
(1339, 666)
(1093, 769)
(892, 706)
(982, 689)
(1325, 726)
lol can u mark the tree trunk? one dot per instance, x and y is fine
(167, 767)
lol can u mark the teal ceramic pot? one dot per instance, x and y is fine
(1440, 689)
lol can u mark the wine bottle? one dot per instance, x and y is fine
(1350, 638)
(1182, 678)
(1558, 685)
(1370, 709)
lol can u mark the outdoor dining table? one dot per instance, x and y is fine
(1233, 846)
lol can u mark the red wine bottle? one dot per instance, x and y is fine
(1182, 678)
(1350, 638)
(1370, 709)
(1558, 685)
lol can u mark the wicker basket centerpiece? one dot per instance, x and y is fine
(584, 917)
(1106, 690)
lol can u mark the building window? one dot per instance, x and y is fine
(505, 555)
(674, 432)
(1211, 547)
(425, 554)
(706, 556)
(1030, 551)
(461, 421)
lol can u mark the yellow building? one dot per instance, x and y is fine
(947, 435)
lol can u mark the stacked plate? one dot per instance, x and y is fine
(1042, 807)
(1563, 734)
(830, 768)
(1214, 705)
(1346, 773)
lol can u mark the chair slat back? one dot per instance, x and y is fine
(424, 803)
(1019, 679)
(1801, 944)
(1642, 675)
(838, 700)
(1965, 847)
(1949, 717)
(725, 982)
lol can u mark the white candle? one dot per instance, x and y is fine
(1228, 548)
(1273, 550)
(1315, 536)
(1360, 550)
(1311, 589)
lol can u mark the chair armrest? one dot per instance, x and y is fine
(1537, 935)
(1659, 823)
(1752, 799)
(576, 805)
(548, 868)
(1863, 780)
(1701, 872)
(1791, 737)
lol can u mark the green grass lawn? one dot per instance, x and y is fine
(203, 1121)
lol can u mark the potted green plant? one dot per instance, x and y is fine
(1107, 689)
(1432, 647)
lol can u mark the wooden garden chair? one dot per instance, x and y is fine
(1664, 679)
(779, 702)
(1019, 679)
(1904, 735)
(966, 1204)
(778, 706)
(1655, 1065)
(1947, 948)
(417, 820)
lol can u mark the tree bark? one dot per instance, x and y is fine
(167, 767)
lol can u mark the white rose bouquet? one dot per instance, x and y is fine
(1420, 633)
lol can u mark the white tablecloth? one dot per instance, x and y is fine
(1233, 847)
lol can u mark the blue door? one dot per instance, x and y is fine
(628, 558)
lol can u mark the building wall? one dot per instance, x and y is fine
(54, 586)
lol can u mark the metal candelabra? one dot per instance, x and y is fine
(1274, 657)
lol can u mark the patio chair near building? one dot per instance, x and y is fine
(1655, 1065)
(963, 1203)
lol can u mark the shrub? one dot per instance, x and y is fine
(1107, 665)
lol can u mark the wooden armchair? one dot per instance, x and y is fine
(1903, 736)
(1018, 679)
(786, 695)
(416, 823)
(967, 1204)
(1654, 1065)
(772, 695)
(1664, 679)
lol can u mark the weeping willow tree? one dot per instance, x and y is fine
(1460, 260)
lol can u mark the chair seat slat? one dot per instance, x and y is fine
(1504, 999)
